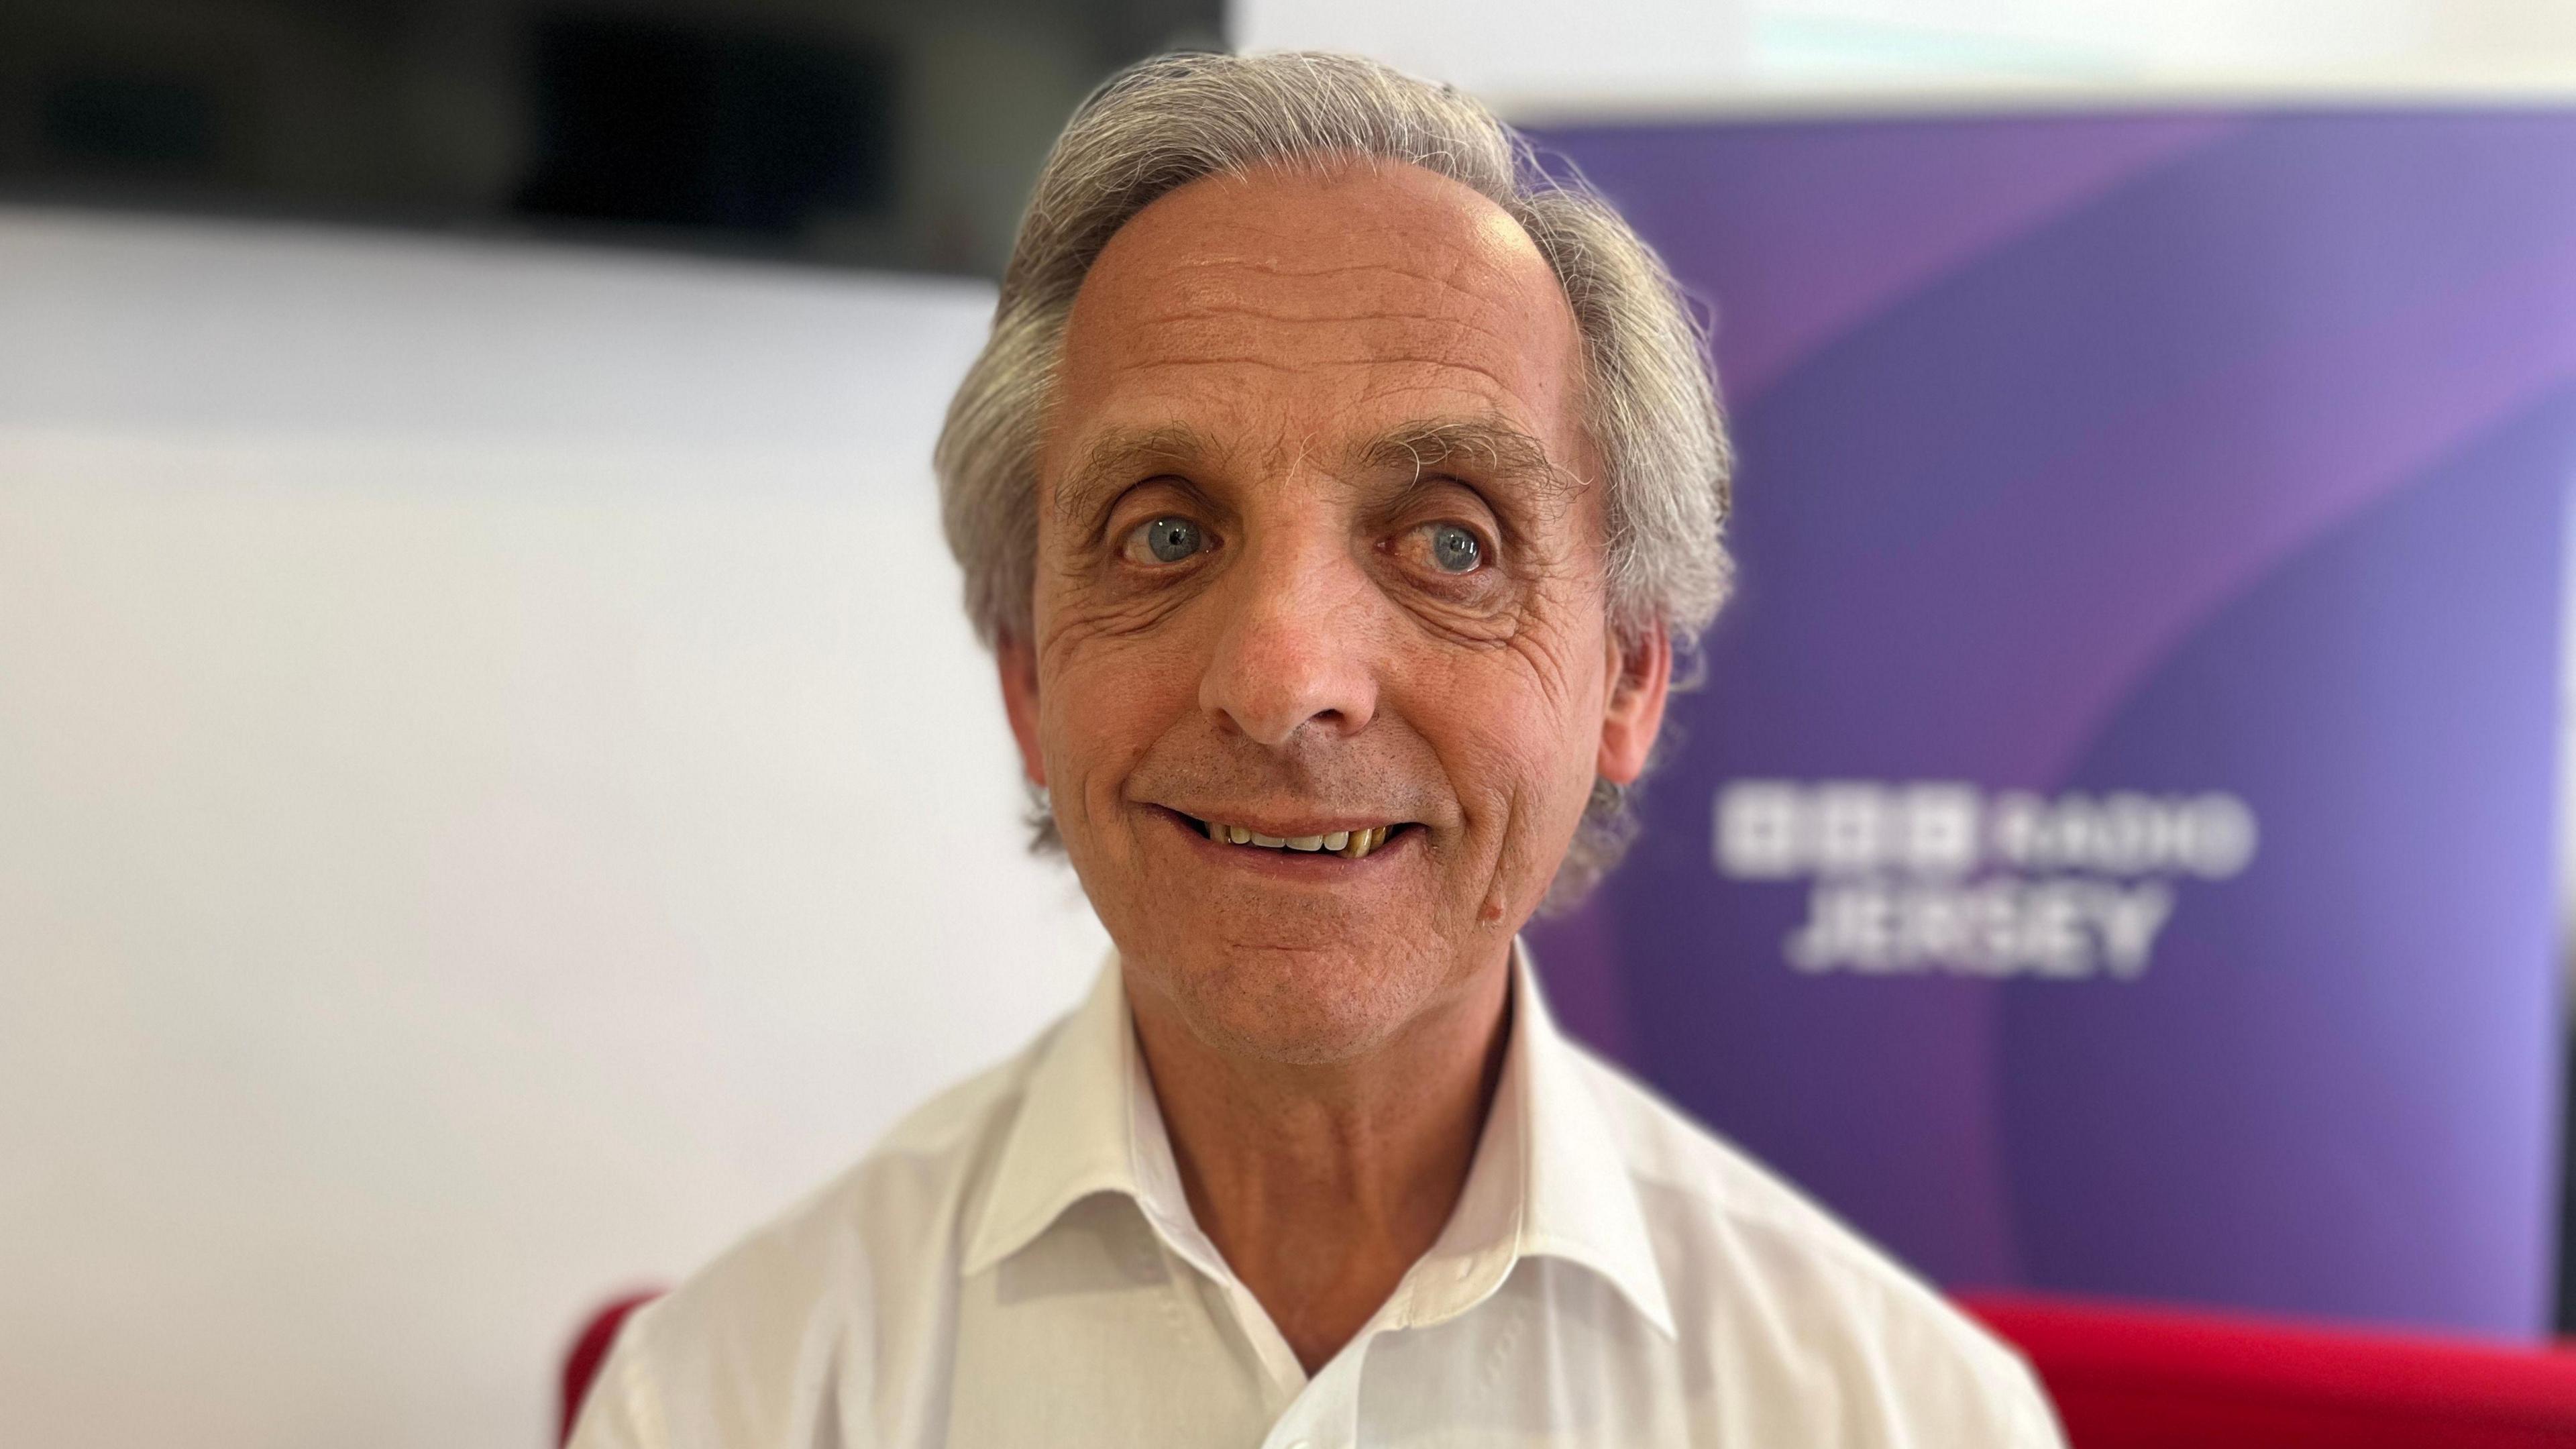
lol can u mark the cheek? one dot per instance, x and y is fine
(1102, 703)
(1520, 742)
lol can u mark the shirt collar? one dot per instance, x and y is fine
(1578, 1194)
(1549, 1178)
(1076, 1133)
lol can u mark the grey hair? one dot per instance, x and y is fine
(1650, 397)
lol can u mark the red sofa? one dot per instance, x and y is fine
(589, 1350)
(2133, 1377)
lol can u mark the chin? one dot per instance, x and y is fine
(1297, 1007)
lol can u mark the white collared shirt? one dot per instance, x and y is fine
(1017, 1264)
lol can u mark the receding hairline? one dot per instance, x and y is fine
(1333, 169)
(1493, 238)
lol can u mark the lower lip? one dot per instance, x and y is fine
(1304, 865)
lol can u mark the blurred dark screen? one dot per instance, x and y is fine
(876, 133)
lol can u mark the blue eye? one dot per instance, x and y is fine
(1454, 550)
(1171, 540)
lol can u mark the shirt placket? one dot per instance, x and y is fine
(1326, 1414)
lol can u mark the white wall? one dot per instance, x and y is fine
(495, 798)
(1515, 52)
(1545, 58)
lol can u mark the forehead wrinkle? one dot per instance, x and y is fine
(1467, 295)
(1276, 268)
(1422, 363)
(1451, 311)
(1471, 279)
(1434, 342)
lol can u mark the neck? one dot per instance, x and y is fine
(1323, 1184)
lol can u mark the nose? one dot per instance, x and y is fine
(1295, 649)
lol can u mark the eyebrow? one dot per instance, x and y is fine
(1116, 457)
(1508, 454)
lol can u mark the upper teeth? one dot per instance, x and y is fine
(1352, 843)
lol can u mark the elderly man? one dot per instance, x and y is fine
(1336, 494)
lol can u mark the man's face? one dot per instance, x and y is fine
(1320, 553)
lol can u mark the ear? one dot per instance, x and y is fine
(1641, 675)
(1019, 665)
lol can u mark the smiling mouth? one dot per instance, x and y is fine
(1348, 844)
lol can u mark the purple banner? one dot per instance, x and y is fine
(2112, 852)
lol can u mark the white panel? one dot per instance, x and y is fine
(1517, 52)
(1538, 60)
(496, 797)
